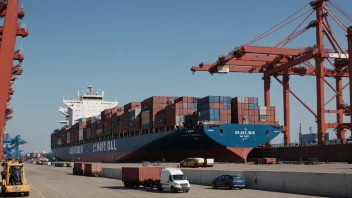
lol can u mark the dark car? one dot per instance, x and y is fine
(229, 182)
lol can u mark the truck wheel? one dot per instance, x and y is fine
(160, 189)
(172, 189)
(26, 194)
(187, 191)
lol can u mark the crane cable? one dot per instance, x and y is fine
(268, 31)
(341, 10)
(291, 36)
(280, 27)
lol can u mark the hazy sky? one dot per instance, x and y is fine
(136, 49)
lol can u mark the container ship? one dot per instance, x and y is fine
(162, 128)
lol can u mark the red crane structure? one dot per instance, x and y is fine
(277, 61)
(10, 12)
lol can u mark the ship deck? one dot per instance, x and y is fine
(321, 168)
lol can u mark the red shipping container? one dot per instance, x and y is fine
(131, 106)
(136, 124)
(107, 111)
(115, 130)
(124, 123)
(83, 125)
(93, 135)
(107, 122)
(222, 111)
(140, 174)
(92, 168)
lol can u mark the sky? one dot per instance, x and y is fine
(136, 49)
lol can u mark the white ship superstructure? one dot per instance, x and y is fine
(88, 105)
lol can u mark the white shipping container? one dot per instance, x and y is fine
(59, 141)
(68, 138)
(137, 111)
(245, 100)
(145, 117)
(262, 110)
(80, 134)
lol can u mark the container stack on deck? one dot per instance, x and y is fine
(161, 113)
(215, 109)
(245, 110)
(151, 106)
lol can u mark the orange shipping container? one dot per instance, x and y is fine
(140, 174)
(92, 168)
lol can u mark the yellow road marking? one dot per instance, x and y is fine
(36, 189)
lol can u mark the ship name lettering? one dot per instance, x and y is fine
(76, 150)
(104, 146)
(245, 132)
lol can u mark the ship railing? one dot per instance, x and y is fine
(330, 142)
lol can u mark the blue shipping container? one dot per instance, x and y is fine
(209, 114)
(256, 100)
(210, 99)
(194, 106)
(253, 106)
(227, 105)
(262, 117)
(225, 99)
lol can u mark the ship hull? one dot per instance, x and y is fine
(224, 143)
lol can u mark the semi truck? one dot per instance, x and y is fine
(163, 179)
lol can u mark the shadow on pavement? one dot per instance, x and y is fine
(140, 189)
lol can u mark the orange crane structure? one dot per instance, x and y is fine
(10, 12)
(275, 61)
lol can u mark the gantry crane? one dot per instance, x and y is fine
(279, 61)
(10, 12)
(12, 149)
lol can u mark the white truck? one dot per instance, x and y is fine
(164, 179)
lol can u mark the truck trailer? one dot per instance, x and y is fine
(168, 179)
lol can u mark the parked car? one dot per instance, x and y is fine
(229, 182)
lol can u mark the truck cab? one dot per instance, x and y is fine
(173, 179)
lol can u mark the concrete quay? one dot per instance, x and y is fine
(332, 180)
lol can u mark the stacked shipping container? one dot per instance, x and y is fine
(176, 113)
(134, 120)
(161, 112)
(245, 110)
(216, 109)
(151, 106)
